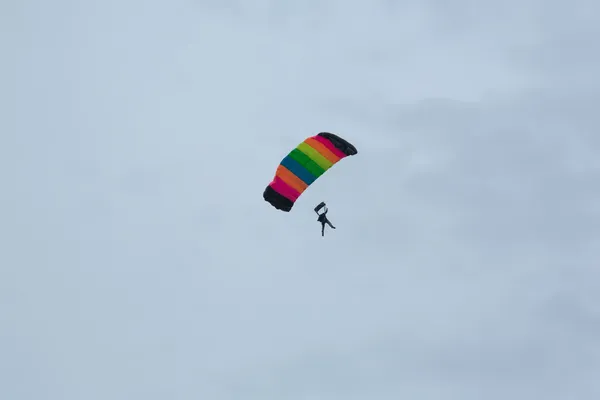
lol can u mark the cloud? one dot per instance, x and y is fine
(141, 260)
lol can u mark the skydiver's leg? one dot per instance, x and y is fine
(329, 223)
(322, 228)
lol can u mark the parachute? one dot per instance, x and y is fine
(303, 165)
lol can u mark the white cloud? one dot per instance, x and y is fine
(141, 260)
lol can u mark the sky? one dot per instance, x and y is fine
(138, 259)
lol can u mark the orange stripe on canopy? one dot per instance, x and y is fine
(292, 180)
(322, 149)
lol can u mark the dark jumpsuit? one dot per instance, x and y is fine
(323, 220)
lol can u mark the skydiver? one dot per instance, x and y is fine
(323, 220)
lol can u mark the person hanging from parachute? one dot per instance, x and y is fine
(302, 166)
(323, 217)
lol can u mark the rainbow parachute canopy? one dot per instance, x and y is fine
(303, 165)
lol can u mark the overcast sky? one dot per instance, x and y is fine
(139, 261)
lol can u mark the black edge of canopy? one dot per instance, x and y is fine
(277, 200)
(342, 144)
